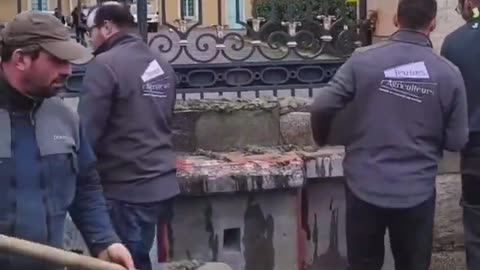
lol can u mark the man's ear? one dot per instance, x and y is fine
(395, 20)
(20, 60)
(433, 25)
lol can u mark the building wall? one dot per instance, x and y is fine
(8, 9)
(210, 11)
(447, 19)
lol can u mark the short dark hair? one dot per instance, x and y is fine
(118, 14)
(416, 14)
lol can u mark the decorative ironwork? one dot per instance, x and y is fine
(295, 55)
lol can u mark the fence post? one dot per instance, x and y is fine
(142, 19)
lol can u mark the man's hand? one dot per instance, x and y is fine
(119, 254)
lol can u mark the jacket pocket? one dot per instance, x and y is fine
(61, 181)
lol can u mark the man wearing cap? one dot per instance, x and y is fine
(47, 167)
(462, 48)
(127, 109)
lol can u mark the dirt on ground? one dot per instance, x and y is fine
(448, 261)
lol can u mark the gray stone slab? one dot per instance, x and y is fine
(236, 130)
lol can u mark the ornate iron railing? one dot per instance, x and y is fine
(217, 59)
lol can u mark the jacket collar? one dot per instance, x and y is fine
(119, 38)
(11, 99)
(412, 36)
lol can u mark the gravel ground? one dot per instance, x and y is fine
(448, 261)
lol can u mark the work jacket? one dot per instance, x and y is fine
(407, 105)
(47, 169)
(462, 48)
(127, 108)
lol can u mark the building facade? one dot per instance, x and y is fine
(174, 9)
(9, 8)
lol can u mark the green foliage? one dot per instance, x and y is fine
(300, 10)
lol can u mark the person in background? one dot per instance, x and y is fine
(79, 24)
(47, 166)
(408, 105)
(462, 48)
(58, 14)
(127, 109)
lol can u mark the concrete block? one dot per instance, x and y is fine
(324, 163)
(256, 231)
(183, 129)
(324, 229)
(296, 129)
(221, 131)
(448, 230)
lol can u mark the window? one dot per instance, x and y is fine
(189, 9)
(39, 4)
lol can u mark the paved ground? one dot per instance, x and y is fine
(448, 261)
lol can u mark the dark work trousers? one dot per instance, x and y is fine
(471, 200)
(135, 224)
(410, 231)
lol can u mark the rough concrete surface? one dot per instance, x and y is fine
(295, 129)
(239, 172)
(236, 130)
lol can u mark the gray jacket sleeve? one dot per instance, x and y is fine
(330, 99)
(95, 104)
(456, 126)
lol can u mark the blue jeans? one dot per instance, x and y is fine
(135, 225)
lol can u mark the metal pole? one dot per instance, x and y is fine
(142, 19)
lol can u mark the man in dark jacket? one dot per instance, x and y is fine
(127, 109)
(462, 48)
(408, 105)
(47, 167)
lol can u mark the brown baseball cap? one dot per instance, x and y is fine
(45, 30)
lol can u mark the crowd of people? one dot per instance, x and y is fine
(111, 165)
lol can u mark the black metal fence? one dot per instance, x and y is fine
(266, 55)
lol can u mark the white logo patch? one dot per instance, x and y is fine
(60, 137)
(153, 70)
(416, 70)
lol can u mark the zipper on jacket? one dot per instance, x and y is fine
(32, 113)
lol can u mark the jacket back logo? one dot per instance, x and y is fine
(410, 90)
(416, 70)
(152, 71)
